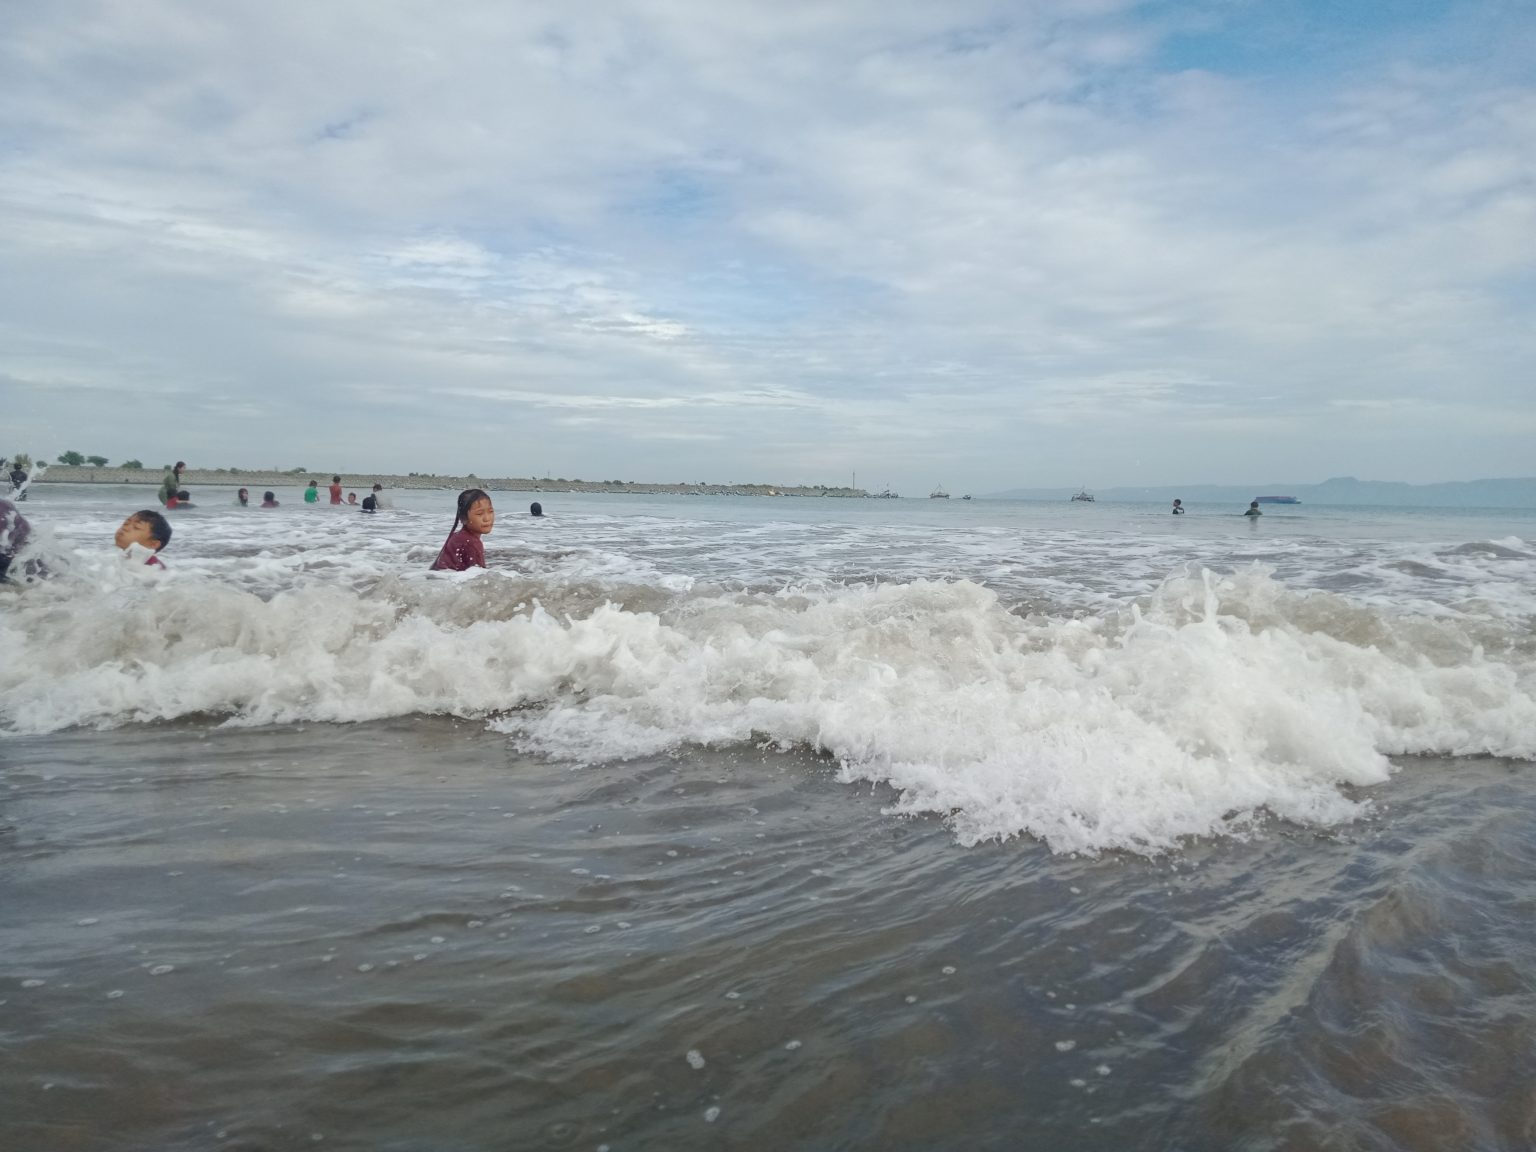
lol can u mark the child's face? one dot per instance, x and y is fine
(481, 517)
(136, 531)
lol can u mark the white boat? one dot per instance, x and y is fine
(938, 494)
(1085, 496)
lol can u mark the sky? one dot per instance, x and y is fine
(970, 243)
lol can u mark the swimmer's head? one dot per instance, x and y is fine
(147, 528)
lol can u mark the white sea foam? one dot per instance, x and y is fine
(1039, 703)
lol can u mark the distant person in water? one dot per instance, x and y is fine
(18, 480)
(172, 482)
(268, 500)
(535, 509)
(1178, 507)
(243, 498)
(352, 498)
(312, 493)
(146, 529)
(464, 549)
(14, 531)
(379, 502)
(335, 489)
(1253, 510)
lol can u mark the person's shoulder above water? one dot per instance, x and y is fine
(475, 516)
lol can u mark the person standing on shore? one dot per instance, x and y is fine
(172, 483)
(335, 489)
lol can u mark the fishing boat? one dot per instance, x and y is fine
(967, 496)
(1085, 496)
(938, 494)
(1278, 500)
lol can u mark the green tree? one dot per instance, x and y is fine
(22, 461)
(96, 461)
(74, 459)
(134, 465)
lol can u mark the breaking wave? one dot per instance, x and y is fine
(1196, 710)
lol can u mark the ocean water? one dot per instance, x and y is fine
(754, 823)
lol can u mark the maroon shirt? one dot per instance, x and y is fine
(461, 551)
(335, 493)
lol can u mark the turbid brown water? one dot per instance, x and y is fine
(404, 936)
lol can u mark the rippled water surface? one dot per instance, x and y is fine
(768, 824)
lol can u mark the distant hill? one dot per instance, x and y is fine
(1513, 493)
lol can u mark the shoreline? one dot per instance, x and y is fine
(192, 477)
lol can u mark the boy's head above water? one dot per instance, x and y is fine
(146, 528)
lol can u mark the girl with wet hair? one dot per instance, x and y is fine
(463, 549)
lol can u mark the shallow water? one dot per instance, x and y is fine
(400, 935)
(767, 824)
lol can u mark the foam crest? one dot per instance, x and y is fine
(1192, 712)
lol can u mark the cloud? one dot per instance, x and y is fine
(1064, 242)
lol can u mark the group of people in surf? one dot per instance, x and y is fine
(147, 532)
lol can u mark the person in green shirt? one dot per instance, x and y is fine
(172, 482)
(312, 493)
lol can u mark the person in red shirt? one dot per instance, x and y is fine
(464, 549)
(335, 489)
(148, 529)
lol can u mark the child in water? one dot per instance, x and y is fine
(463, 549)
(147, 529)
(268, 500)
(243, 497)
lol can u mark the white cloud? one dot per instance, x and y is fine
(1006, 242)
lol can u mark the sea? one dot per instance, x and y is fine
(760, 824)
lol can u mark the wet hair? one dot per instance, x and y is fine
(269, 496)
(180, 464)
(535, 509)
(335, 479)
(378, 487)
(243, 495)
(183, 495)
(159, 526)
(467, 500)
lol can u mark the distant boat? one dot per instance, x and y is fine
(1084, 496)
(967, 496)
(1278, 500)
(938, 494)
